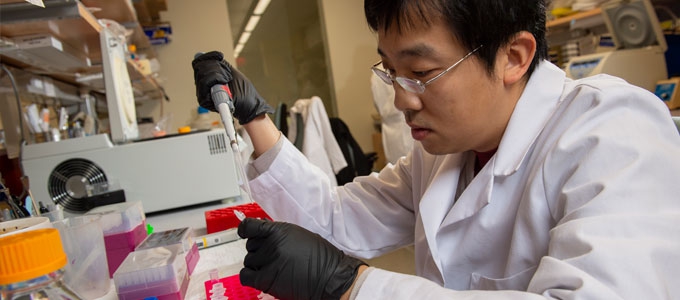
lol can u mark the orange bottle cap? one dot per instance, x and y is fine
(30, 254)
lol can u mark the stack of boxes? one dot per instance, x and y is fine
(142, 265)
(124, 227)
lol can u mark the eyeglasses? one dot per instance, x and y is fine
(414, 85)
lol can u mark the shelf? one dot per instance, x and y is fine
(118, 10)
(566, 21)
(148, 11)
(571, 18)
(69, 21)
(75, 23)
(124, 13)
(144, 86)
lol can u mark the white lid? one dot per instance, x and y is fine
(119, 217)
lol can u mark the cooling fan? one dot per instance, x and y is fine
(68, 183)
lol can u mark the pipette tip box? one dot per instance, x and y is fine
(159, 272)
(180, 236)
(124, 227)
(224, 218)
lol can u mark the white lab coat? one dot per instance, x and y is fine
(319, 144)
(396, 135)
(580, 201)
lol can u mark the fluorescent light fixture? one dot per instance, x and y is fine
(261, 7)
(238, 48)
(252, 22)
(244, 38)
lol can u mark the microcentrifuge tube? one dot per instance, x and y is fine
(214, 275)
(217, 292)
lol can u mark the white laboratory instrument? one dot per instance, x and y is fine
(668, 91)
(639, 42)
(164, 173)
(119, 97)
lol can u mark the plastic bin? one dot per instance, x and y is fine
(180, 236)
(159, 272)
(83, 241)
(124, 227)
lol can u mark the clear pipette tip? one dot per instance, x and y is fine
(239, 214)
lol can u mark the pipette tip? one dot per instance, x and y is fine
(240, 215)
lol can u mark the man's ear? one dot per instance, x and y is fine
(520, 52)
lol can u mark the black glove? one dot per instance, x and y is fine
(290, 262)
(211, 69)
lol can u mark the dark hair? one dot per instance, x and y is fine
(491, 23)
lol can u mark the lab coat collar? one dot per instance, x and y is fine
(438, 199)
(539, 100)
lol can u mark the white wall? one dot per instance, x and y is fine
(351, 50)
(197, 26)
(204, 26)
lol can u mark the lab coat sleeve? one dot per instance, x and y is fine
(617, 232)
(382, 284)
(366, 218)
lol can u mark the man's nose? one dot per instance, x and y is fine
(406, 101)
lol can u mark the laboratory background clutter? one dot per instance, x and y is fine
(106, 157)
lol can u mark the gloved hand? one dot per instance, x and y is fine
(290, 262)
(211, 69)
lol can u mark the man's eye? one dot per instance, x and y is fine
(421, 74)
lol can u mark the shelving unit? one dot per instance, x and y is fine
(69, 21)
(569, 29)
(148, 11)
(565, 21)
(75, 23)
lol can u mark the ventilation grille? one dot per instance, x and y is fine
(217, 144)
(68, 183)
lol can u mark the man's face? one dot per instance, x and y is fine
(458, 111)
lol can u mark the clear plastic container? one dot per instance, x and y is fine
(124, 227)
(83, 242)
(159, 272)
(24, 224)
(32, 266)
(180, 236)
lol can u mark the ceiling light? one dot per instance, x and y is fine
(252, 23)
(238, 48)
(261, 7)
(244, 38)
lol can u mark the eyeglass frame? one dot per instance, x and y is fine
(387, 78)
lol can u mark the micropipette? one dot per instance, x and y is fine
(222, 97)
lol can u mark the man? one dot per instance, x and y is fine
(522, 184)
